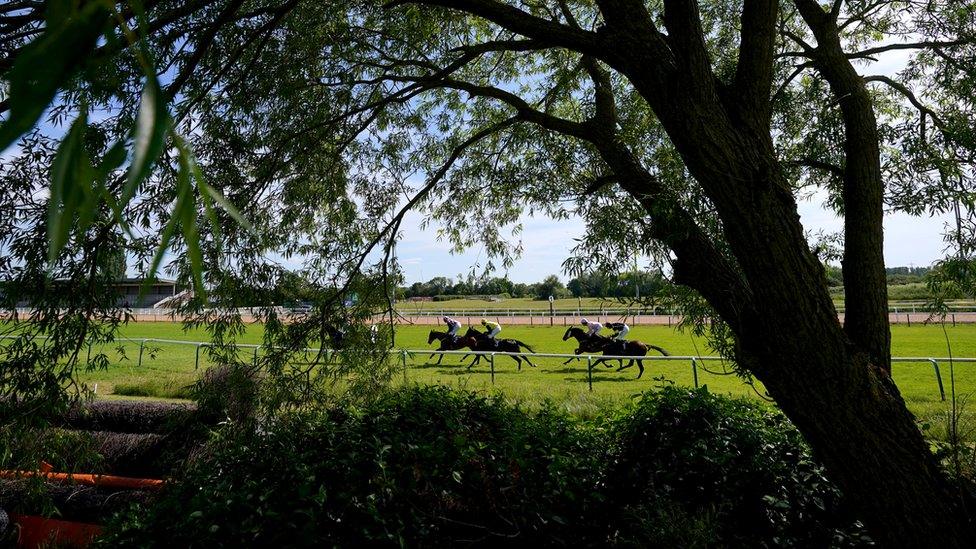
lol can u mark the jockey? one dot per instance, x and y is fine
(620, 330)
(452, 326)
(493, 329)
(594, 327)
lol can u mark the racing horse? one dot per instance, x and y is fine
(608, 346)
(448, 343)
(482, 343)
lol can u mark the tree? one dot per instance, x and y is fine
(550, 286)
(679, 130)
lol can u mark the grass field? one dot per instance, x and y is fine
(167, 368)
(900, 297)
(521, 303)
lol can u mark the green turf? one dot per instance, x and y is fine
(515, 303)
(167, 368)
(901, 299)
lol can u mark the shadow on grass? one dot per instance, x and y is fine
(429, 365)
(602, 379)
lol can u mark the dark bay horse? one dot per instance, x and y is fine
(608, 346)
(448, 343)
(482, 343)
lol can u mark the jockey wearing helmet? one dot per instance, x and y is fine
(620, 330)
(452, 326)
(594, 327)
(492, 327)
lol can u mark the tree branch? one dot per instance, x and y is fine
(754, 72)
(911, 46)
(820, 165)
(501, 45)
(907, 93)
(522, 108)
(202, 45)
(782, 87)
(517, 21)
(866, 319)
(687, 40)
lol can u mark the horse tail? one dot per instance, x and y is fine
(524, 345)
(658, 349)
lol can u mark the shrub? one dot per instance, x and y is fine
(432, 466)
(741, 464)
(450, 297)
(227, 391)
(422, 465)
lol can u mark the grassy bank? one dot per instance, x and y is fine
(167, 368)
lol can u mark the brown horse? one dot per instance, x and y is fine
(608, 346)
(483, 343)
(448, 343)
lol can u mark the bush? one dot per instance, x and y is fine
(739, 464)
(425, 465)
(449, 297)
(431, 466)
(227, 391)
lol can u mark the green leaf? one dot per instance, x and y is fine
(227, 206)
(190, 234)
(152, 125)
(46, 64)
(72, 189)
(188, 162)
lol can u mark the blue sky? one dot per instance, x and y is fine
(547, 243)
(908, 241)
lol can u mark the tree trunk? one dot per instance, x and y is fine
(838, 396)
(857, 423)
(833, 384)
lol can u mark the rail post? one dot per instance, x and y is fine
(938, 377)
(491, 362)
(196, 361)
(694, 370)
(142, 345)
(403, 362)
(254, 360)
(589, 370)
(89, 353)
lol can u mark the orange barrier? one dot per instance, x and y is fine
(105, 481)
(36, 532)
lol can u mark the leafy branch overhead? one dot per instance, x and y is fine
(79, 188)
(683, 131)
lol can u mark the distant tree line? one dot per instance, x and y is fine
(290, 289)
(592, 284)
(896, 276)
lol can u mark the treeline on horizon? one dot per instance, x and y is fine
(596, 284)
(587, 285)
(292, 289)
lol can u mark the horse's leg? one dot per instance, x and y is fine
(629, 364)
(576, 352)
(640, 368)
(477, 358)
(519, 361)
